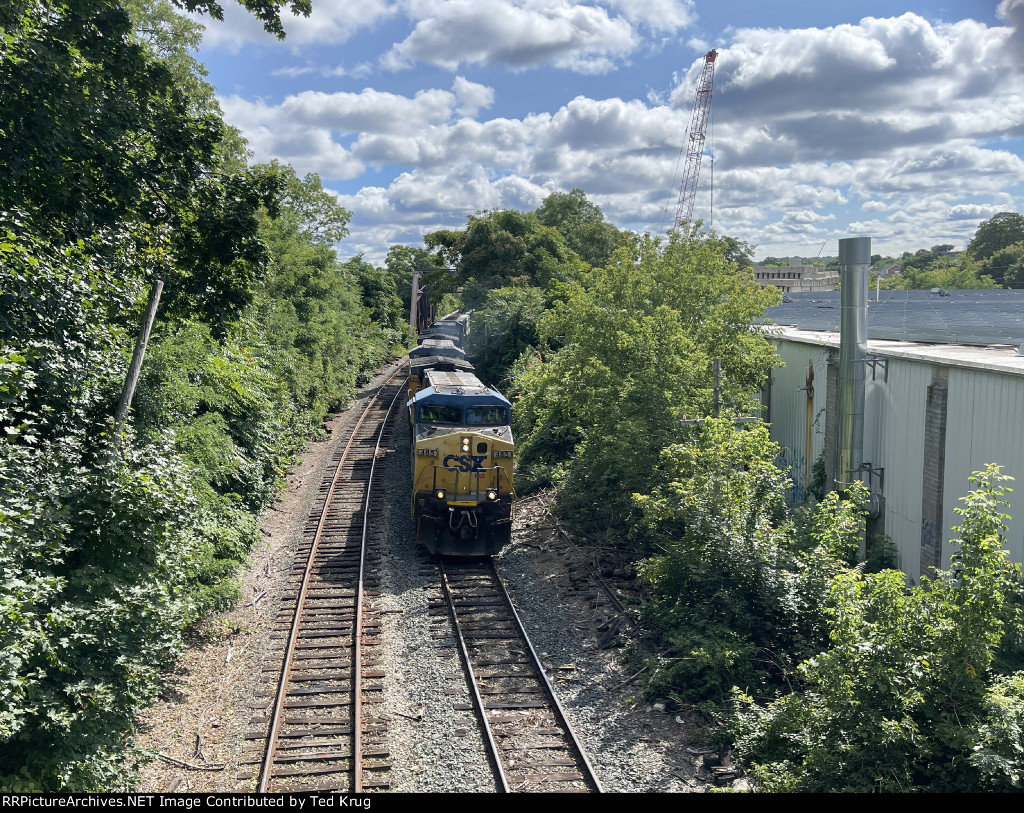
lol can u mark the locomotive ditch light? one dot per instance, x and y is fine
(465, 445)
(492, 494)
(440, 493)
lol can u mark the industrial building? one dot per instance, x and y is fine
(941, 394)
(797, 277)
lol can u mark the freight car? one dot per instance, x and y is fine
(454, 326)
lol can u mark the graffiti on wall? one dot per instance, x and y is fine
(793, 462)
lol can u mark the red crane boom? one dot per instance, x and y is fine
(698, 127)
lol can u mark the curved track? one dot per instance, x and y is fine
(317, 735)
(532, 744)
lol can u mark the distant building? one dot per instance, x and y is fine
(887, 271)
(797, 277)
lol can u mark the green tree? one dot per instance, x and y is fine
(172, 38)
(935, 268)
(311, 317)
(504, 328)
(96, 135)
(581, 224)
(1006, 266)
(998, 232)
(96, 554)
(267, 11)
(304, 206)
(498, 249)
(738, 591)
(634, 341)
(117, 169)
(738, 252)
(402, 261)
(379, 296)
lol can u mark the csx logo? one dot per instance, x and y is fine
(465, 462)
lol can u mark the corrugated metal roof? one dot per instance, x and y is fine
(956, 317)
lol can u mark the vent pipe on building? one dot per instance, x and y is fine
(854, 259)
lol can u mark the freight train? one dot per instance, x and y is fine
(462, 450)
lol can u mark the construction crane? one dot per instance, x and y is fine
(695, 149)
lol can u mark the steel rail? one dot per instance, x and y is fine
(586, 770)
(286, 667)
(471, 676)
(560, 712)
(357, 672)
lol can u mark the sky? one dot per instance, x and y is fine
(898, 120)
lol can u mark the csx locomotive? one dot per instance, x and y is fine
(462, 455)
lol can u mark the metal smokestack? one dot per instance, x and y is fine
(854, 259)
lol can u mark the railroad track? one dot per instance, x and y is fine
(532, 745)
(319, 732)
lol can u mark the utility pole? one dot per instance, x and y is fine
(716, 399)
(414, 301)
(716, 387)
(135, 368)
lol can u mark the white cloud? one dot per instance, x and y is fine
(586, 36)
(518, 34)
(659, 15)
(1012, 11)
(877, 66)
(293, 72)
(368, 111)
(898, 120)
(331, 22)
(800, 224)
(472, 96)
(974, 212)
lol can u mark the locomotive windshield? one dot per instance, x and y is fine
(487, 416)
(474, 416)
(441, 413)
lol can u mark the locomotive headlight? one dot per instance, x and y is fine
(492, 494)
(465, 445)
(440, 493)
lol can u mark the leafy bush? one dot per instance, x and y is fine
(907, 695)
(738, 592)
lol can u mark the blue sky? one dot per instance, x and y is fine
(901, 121)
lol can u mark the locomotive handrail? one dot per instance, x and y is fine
(477, 472)
(457, 471)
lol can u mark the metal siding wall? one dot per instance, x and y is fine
(897, 416)
(820, 389)
(985, 423)
(789, 409)
(986, 410)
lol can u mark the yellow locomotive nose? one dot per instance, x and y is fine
(462, 484)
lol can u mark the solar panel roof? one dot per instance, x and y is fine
(958, 317)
